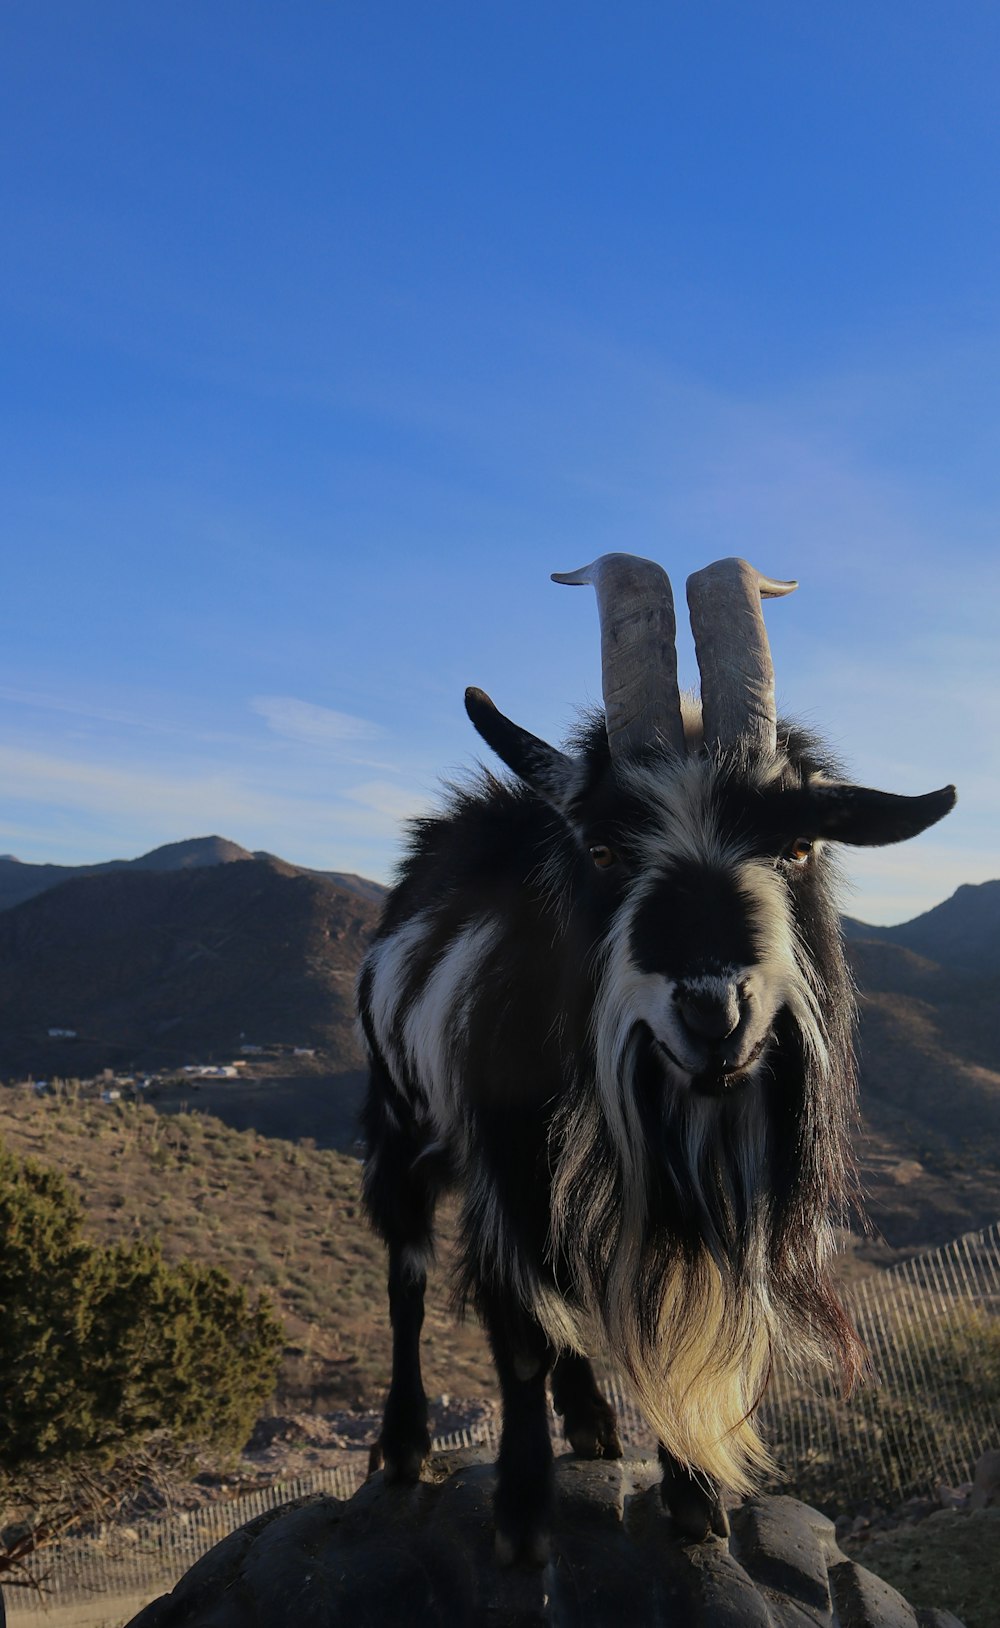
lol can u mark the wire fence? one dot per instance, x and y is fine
(151, 1556)
(932, 1329)
(931, 1325)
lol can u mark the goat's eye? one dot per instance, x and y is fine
(798, 851)
(602, 855)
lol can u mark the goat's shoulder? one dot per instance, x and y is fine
(488, 839)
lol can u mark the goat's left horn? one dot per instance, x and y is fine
(642, 701)
(734, 656)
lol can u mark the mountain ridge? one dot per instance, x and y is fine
(21, 880)
(962, 931)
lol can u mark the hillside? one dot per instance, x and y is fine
(929, 1056)
(283, 1217)
(280, 1216)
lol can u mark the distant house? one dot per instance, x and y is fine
(304, 1051)
(62, 1034)
(111, 1096)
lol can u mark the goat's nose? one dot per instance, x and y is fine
(711, 1014)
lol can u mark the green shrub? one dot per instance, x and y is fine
(100, 1347)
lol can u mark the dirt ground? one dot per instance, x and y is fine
(101, 1614)
(951, 1560)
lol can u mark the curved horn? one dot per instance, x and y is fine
(638, 650)
(734, 657)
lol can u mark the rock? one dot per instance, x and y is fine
(424, 1555)
(787, 1546)
(864, 1600)
(986, 1481)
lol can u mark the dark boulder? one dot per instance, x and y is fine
(423, 1555)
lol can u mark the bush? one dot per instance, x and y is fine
(100, 1347)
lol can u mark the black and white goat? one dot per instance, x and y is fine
(608, 1000)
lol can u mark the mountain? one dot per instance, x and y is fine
(962, 933)
(166, 966)
(19, 881)
(929, 1056)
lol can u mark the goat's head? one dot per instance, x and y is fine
(699, 837)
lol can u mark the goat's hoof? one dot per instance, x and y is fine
(695, 1509)
(533, 1548)
(595, 1440)
(595, 1436)
(400, 1457)
(403, 1468)
(594, 1433)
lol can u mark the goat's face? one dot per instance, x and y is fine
(699, 878)
(699, 872)
(716, 870)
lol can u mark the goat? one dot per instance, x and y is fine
(608, 1001)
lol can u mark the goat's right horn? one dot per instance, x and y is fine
(638, 651)
(734, 657)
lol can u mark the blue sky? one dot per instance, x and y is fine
(329, 330)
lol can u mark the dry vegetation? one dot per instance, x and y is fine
(280, 1216)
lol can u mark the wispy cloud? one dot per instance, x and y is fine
(76, 706)
(304, 721)
(101, 808)
(392, 802)
(178, 798)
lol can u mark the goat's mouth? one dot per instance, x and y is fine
(717, 1079)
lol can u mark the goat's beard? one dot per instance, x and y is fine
(692, 1236)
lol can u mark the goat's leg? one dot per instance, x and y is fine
(400, 1189)
(588, 1419)
(404, 1440)
(692, 1499)
(525, 1482)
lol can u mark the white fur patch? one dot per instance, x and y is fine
(389, 962)
(414, 1259)
(435, 1028)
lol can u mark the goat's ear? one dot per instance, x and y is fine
(535, 762)
(873, 819)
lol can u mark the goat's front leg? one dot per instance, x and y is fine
(405, 1439)
(525, 1482)
(399, 1189)
(692, 1499)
